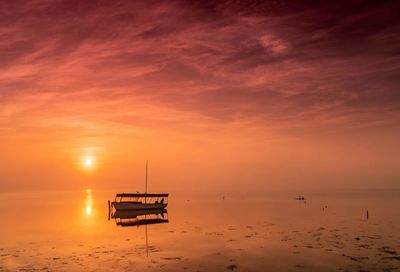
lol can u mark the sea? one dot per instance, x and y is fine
(327, 231)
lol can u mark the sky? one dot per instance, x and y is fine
(218, 95)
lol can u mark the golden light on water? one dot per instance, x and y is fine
(88, 202)
(88, 210)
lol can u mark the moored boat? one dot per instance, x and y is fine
(140, 201)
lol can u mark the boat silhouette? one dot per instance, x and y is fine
(139, 201)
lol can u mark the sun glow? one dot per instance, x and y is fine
(88, 162)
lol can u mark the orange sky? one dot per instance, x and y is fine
(227, 96)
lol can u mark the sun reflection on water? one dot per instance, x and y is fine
(88, 210)
(88, 202)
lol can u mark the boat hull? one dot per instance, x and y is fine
(123, 206)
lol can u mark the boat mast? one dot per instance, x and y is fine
(145, 188)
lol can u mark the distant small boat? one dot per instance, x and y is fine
(138, 201)
(300, 198)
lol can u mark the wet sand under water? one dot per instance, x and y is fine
(234, 234)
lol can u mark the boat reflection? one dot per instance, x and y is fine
(128, 218)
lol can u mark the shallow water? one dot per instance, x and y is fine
(70, 231)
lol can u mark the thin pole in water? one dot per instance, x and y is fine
(147, 243)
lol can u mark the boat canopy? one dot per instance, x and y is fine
(141, 195)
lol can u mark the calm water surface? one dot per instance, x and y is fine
(330, 232)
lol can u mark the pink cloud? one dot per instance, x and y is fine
(274, 45)
(216, 61)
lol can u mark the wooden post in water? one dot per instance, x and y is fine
(109, 210)
(367, 215)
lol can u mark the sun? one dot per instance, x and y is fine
(88, 162)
